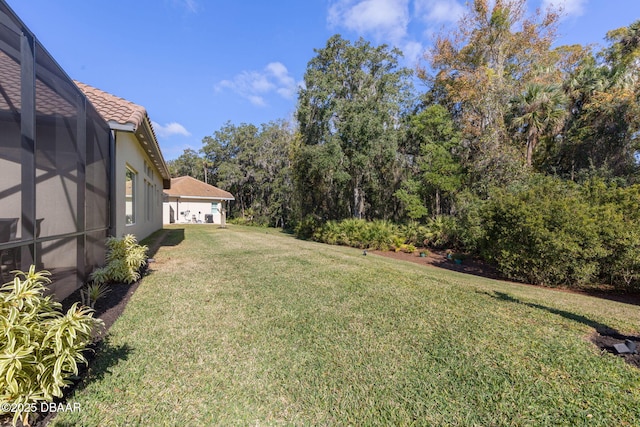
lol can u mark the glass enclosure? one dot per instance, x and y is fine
(54, 165)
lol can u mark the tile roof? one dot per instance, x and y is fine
(186, 186)
(48, 101)
(116, 110)
(113, 108)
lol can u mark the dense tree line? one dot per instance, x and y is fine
(523, 153)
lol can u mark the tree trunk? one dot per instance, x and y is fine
(532, 141)
(358, 202)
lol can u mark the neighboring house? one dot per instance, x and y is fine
(54, 165)
(140, 172)
(192, 201)
(71, 173)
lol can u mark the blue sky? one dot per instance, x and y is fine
(196, 64)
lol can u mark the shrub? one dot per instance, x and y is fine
(359, 233)
(442, 232)
(307, 226)
(381, 235)
(41, 346)
(617, 211)
(543, 233)
(125, 258)
(415, 233)
(407, 248)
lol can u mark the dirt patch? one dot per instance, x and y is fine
(606, 342)
(439, 259)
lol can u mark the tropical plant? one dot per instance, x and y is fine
(538, 111)
(442, 231)
(125, 258)
(41, 347)
(92, 293)
(414, 233)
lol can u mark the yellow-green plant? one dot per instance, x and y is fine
(92, 293)
(40, 346)
(125, 258)
(407, 248)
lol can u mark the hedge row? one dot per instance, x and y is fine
(543, 231)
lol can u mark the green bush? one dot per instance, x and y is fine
(415, 233)
(359, 233)
(442, 232)
(617, 211)
(125, 258)
(380, 235)
(307, 226)
(543, 233)
(40, 347)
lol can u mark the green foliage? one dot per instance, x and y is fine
(413, 202)
(415, 233)
(92, 293)
(348, 113)
(543, 232)
(407, 248)
(41, 346)
(359, 233)
(442, 232)
(253, 164)
(188, 164)
(617, 210)
(125, 258)
(307, 226)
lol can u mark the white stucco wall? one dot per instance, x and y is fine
(147, 202)
(194, 207)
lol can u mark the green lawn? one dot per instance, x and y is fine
(249, 326)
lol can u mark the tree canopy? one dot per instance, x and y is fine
(509, 138)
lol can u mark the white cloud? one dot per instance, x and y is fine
(384, 19)
(438, 11)
(413, 52)
(568, 7)
(170, 129)
(256, 85)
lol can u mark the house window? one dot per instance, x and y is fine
(130, 197)
(149, 199)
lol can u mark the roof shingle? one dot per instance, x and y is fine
(186, 186)
(113, 108)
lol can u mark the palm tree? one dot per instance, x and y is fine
(538, 111)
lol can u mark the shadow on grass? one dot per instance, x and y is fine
(600, 328)
(104, 356)
(107, 355)
(163, 237)
(605, 337)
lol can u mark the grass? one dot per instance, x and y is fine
(248, 326)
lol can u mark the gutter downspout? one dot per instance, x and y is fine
(112, 183)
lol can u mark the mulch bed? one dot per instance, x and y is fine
(603, 338)
(108, 309)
